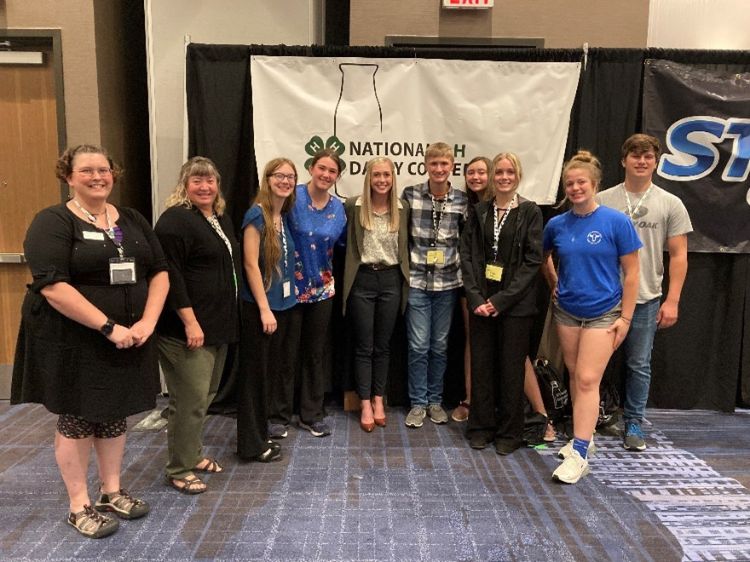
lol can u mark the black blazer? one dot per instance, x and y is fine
(517, 296)
(201, 275)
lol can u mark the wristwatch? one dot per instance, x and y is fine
(107, 328)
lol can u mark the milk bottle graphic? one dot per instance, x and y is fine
(358, 115)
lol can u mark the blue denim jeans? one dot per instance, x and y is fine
(637, 348)
(428, 323)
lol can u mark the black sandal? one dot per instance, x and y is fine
(269, 455)
(122, 504)
(191, 484)
(212, 466)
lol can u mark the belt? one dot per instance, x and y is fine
(378, 266)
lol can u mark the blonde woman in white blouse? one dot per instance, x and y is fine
(375, 281)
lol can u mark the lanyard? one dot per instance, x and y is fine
(499, 223)
(284, 247)
(113, 234)
(437, 216)
(632, 211)
(214, 222)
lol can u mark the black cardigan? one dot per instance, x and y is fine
(517, 296)
(201, 275)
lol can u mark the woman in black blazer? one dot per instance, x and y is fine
(201, 316)
(501, 252)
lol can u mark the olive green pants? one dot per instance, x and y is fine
(193, 377)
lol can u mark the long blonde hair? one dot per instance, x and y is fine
(269, 241)
(365, 216)
(202, 167)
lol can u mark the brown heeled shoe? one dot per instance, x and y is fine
(380, 422)
(367, 427)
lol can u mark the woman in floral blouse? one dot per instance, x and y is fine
(317, 222)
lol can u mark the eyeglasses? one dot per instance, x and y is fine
(278, 176)
(89, 172)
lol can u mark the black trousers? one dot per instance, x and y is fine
(499, 347)
(264, 369)
(307, 343)
(373, 309)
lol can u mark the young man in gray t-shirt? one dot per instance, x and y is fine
(662, 222)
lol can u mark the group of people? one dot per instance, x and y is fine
(104, 282)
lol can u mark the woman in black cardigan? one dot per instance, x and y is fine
(501, 252)
(200, 318)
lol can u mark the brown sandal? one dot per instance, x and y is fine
(212, 466)
(92, 524)
(550, 434)
(191, 484)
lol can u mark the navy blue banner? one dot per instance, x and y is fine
(702, 118)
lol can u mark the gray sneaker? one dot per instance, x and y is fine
(277, 431)
(437, 414)
(634, 440)
(415, 418)
(317, 429)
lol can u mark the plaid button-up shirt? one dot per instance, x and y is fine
(425, 216)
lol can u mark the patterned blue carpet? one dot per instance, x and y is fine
(398, 494)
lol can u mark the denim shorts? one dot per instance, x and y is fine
(604, 321)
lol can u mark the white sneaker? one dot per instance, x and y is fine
(572, 469)
(566, 449)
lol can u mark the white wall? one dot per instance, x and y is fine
(699, 24)
(168, 23)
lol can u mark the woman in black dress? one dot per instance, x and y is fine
(84, 347)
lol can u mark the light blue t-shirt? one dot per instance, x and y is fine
(589, 250)
(275, 293)
(315, 232)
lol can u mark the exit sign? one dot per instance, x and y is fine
(468, 3)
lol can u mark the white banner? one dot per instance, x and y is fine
(396, 107)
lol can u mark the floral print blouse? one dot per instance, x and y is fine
(315, 233)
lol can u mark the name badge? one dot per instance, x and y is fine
(287, 289)
(435, 257)
(493, 272)
(121, 271)
(93, 235)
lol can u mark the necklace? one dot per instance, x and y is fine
(89, 215)
(112, 231)
(584, 215)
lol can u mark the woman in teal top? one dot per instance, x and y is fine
(268, 296)
(317, 222)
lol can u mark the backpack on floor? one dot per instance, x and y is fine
(534, 427)
(552, 386)
(609, 404)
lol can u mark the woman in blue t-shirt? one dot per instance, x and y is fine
(317, 222)
(593, 304)
(268, 295)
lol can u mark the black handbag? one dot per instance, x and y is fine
(552, 387)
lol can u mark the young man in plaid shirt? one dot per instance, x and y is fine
(438, 212)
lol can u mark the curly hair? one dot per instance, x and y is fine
(64, 165)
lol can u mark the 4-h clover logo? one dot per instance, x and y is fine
(316, 143)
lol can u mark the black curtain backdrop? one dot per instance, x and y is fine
(703, 362)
